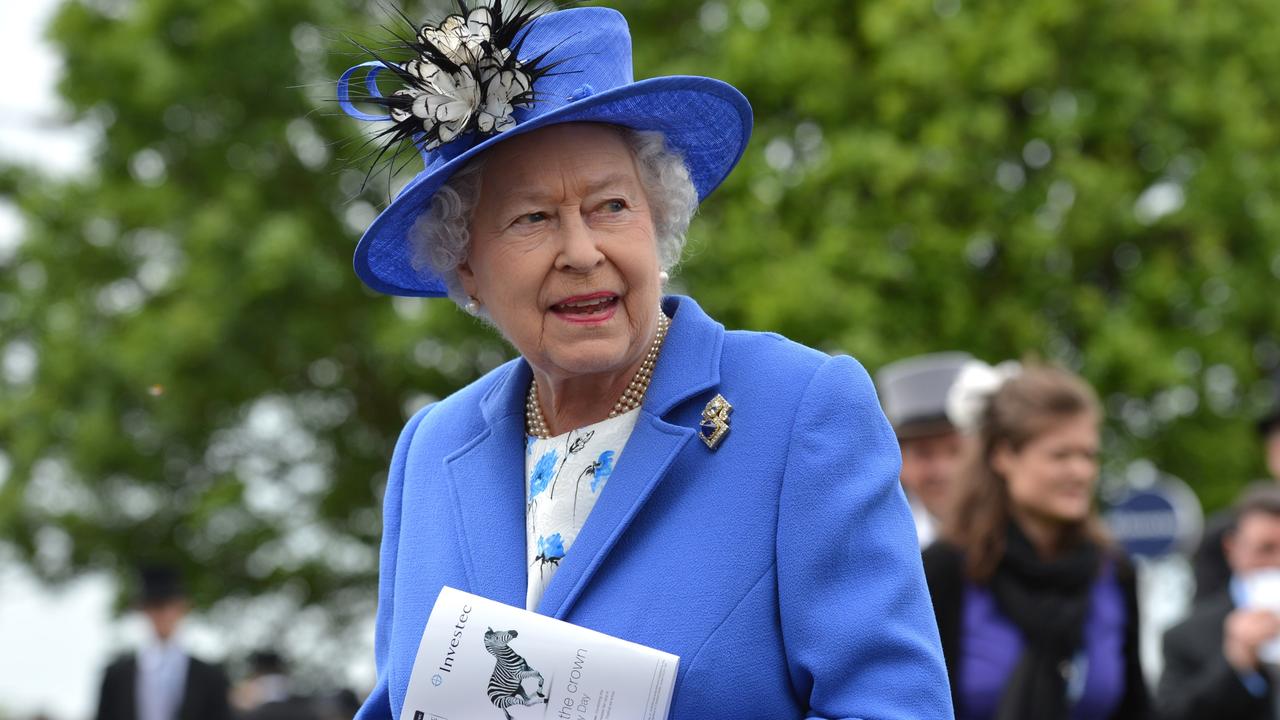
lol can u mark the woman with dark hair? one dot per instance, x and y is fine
(1037, 611)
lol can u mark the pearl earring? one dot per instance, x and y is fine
(663, 277)
(472, 306)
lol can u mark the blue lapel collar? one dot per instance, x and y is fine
(487, 474)
(689, 365)
(486, 477)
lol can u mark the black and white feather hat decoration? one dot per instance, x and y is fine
(463, 75)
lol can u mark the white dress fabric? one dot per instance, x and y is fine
(564, 475)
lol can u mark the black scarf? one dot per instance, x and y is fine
(1048, 601)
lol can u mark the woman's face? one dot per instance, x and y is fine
(1053, 476)
(563, 253)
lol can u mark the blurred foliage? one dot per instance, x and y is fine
(191, 371)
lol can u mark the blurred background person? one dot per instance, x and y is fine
(913, 392)
(1212, 667)
(339, 705)
(1037, 612)
(1212, 569)
(264, 681)
(161, 681)
(268, 693)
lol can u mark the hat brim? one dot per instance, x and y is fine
(705, 120)
(921, 428)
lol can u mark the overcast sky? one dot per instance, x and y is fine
(30, 127)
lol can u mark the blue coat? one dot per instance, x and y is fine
(782, 566)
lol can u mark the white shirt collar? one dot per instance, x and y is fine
(926, 524)
(161, 680)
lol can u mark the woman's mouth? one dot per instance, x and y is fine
(587, 309)
(587, 304)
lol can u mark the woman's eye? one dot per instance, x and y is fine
(531, 218)
(615, 206)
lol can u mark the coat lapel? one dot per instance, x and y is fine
(129, 692)
(486, 479)
(187, 708)
(689, 364)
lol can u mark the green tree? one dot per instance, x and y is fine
(1084, 182)
(192, 372)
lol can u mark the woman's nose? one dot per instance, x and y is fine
(578, 246)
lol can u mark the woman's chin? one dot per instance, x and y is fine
(1071, 513)
(586, 361)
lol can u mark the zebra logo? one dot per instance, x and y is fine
(506, 685)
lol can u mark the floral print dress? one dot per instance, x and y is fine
(564, 475)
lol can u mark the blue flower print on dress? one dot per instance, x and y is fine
(542, 473)
(551, 549)
(603, 469)
(529, 440)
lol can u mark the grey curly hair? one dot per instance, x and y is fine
(441, 236)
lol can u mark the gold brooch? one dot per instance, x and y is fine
(715, 421)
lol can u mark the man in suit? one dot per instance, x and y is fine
(1213, 667)
(161, 681)
(1210, 566)
(913, 392)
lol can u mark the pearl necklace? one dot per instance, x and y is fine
(535, 423)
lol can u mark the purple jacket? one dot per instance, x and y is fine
(982, 646)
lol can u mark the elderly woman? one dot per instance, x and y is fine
(728, 497)
(1038, 611)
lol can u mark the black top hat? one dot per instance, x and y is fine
(159, 584)
(1269, 421)
(266, 662)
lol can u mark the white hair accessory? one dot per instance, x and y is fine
(972, 390)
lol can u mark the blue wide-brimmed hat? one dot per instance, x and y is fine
(480, 81)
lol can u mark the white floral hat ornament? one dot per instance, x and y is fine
(496, 71)
(465, 76)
